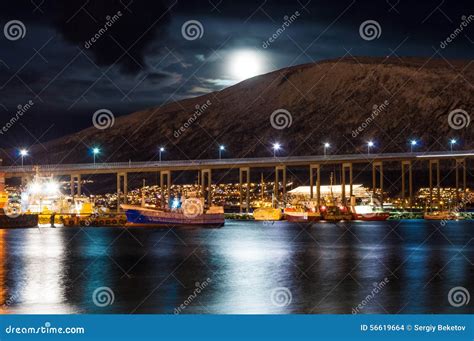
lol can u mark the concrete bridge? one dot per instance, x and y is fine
(205, 167)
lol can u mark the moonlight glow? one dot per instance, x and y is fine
(245, 64)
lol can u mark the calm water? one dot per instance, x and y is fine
(244, 267)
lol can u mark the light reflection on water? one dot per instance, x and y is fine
(327, 268)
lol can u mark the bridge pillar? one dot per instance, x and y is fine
(460, 163)
(346, 166)
(379, 165)
(438, 180)
(244, 172)
(276, 189)
(121, 188)
(407, 164)
(74, 178)
(318, 183)
(165, 174)
(206, 183)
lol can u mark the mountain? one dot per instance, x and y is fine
(345, 102)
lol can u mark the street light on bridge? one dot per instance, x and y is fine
(95, 151)
(221, 149)
(452, 143)
(413, 143)
(326, 146)
(23, 153)
(276, 146)
(161, 150)
(370, 144)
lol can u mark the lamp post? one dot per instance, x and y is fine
(161, 150)
(95, 151)
(413, 143)
(23, 153)
(276, 146)
(221, 149)
(326, 146)
(370, 144)
(452, 142)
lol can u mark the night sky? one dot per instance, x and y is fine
(144, 58)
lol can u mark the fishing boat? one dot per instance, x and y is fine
(302, 212)
(369, 212)
(189, 213)
(267, 213)
(442, 215)
(331, 211)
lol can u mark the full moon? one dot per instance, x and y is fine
(245, 64)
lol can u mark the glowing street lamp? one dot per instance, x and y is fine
(221, 149)
(276, 146)
(23, 153)
(95, 151)
(452, 142)
(413, 143)
(370, 144)
(326, 146)
(161, 150)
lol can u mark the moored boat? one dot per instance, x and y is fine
(153, 217)
(442, 215)
(267, 213)
(369, 213)
(301, 216)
